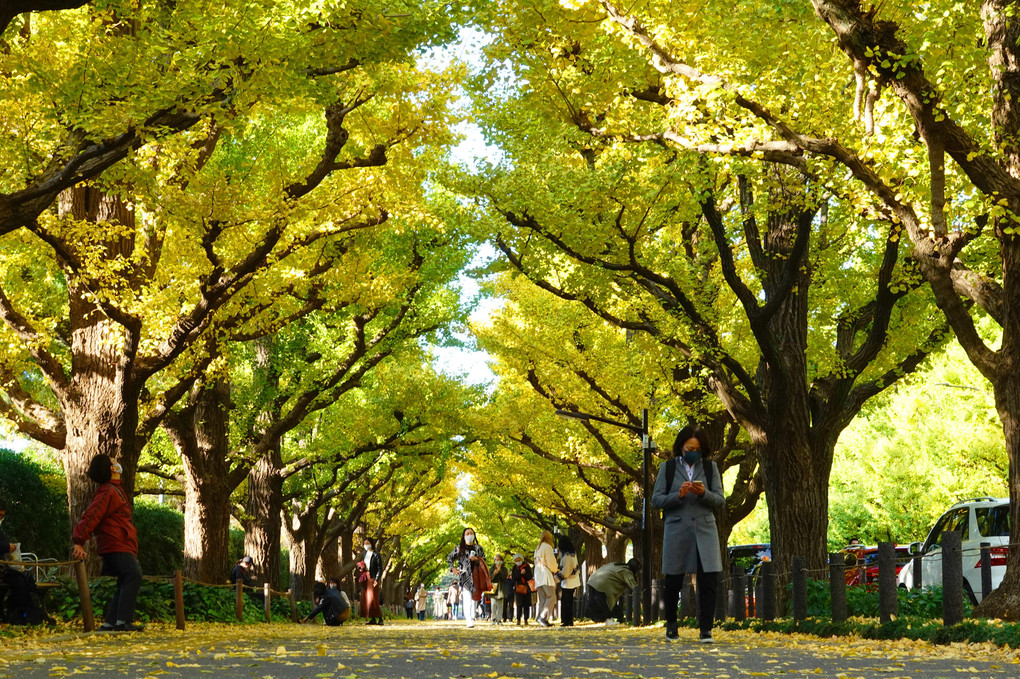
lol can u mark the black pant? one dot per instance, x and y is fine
(508, 608)
(708, 584)
(597, 608)
(567, 607)
(125, 566)
(523, 605)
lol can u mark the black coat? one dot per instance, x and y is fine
(375, 566)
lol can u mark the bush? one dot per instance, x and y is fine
(36, 498)
(160, 538)
(862, 602)
(156, 602)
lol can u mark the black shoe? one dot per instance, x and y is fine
(543, 622)
(671, 632)
(706, 638)
(128, 627)
(106, 627)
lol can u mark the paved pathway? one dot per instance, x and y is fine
(444, 650)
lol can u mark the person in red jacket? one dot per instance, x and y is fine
(108, 517)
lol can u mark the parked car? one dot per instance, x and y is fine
(862, 563)
(981, 519)
(749, 556)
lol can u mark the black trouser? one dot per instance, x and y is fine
(125, 566)
(508, 608)
(523, 605)
(567, 607)
(708, 584)
(597, 608)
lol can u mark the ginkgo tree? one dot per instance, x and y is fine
(551, 354)
(760, 277)
(178, 172)
(912, 116)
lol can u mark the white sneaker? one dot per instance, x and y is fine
(612, 622)
(470, 625)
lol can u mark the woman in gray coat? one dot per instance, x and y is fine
(690, 541)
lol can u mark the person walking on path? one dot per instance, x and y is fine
(521, 577)
(373, 562)
(688, 490)
(463, 561)
(421, 598)
(605, 587)
(368, 603)
(545, 581)
(109, 518)
(453, 601)
(501, 593)
(570, 580)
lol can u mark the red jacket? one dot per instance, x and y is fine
(109, 517)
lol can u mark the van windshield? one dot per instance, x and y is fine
(993, 521)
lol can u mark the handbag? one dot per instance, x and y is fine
(521, 588)
(531, 584)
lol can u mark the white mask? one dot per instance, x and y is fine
(116, 468)
(469, 539)
(368, 547)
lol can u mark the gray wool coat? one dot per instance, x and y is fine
(689, 529)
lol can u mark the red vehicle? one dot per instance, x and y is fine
(862, 563)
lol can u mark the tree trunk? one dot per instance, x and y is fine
(616, 546)
(263, 515)
(1004, 602)
(100, 406)
(199, 433)
(328, 564)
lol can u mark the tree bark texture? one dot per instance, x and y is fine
(100, 403)
(199, 433)
(263, 515)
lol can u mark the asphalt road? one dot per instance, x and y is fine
(447, 650)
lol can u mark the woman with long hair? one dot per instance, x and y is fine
(545, 582)
(570, 580)
(463, 562)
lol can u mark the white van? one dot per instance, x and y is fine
(982, 519)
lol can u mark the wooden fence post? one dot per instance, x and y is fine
(738, 602)
(636, 606)
(837, 586)
(84, 596)
(293, 606)
(179, 599)
(688, 602)
(268, 604)
(799, 588)
(239, 599)
(986, 569)
(952, 578)
(888, 603)
(654, 613)
(768, 591)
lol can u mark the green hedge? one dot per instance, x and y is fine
(156, 602)
(36, 497)
(37, 517)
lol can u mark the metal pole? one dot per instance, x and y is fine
(646, 527)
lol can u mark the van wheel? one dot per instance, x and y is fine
(969, 592)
